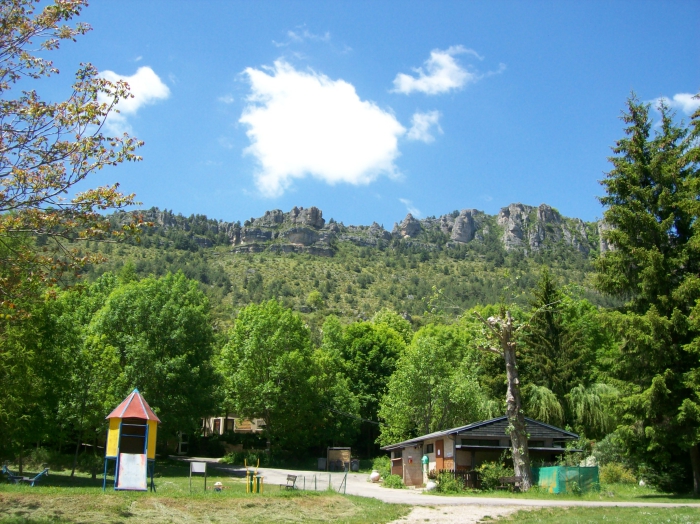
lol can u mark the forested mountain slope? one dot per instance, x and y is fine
(314, 265)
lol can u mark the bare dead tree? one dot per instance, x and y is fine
(502, 331)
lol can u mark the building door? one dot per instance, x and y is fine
(439, 454)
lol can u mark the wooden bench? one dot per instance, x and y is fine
(291, 482)
(511, 483)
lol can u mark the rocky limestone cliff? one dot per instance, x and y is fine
(529, 228)
(520, 227)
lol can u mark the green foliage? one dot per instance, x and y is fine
(50, 147)
(542, 404)
(382, 464)
(434, 387)
(266, 366)
(447, 483)
(491, 472)
(616, 473)
(162, 336)
(240, 458)
(393, 481)
(652, 213)
(370, 353)
(610, 449)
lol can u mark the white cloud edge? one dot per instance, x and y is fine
(410, 207)
(421, 125)
(145, 86)
(439, 74)
(680, 101)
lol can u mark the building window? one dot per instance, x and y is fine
(430, 448)
(536, 443)
(397, 453)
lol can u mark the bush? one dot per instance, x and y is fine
(490, 474)
(393, 481)
(88, 462)
(38, 457)
(447, 483)
(382, 465)
(610, 449)
(616, 473)
(240, 458)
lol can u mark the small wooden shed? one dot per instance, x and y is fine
(131, 443)
(338, 459)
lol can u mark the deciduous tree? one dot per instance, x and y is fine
(46, 148)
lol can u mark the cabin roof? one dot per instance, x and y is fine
(495, 427)
(134, 406)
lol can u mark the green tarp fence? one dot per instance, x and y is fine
(566, 479)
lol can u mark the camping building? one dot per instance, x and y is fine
(466, 447)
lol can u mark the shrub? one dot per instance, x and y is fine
(447, 483)
(491, 472)
(393, 481)
(240, 458)
(616, 473)
(382, 465)
(88, 462)
(38, 457)
(610, 449)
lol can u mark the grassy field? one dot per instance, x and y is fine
(607, 493)
(606, 515)
(80, 500)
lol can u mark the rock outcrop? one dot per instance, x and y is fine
(530, 228)
(464, 227)
(409, 228)
(304, 230)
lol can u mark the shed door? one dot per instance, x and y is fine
(439, 454)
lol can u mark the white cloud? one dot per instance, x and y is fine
(410, 207)
(226, 99)
(302, 34)
(681, 101)
(439, 74)
(146, 88)
(303, 123)
(421, 125)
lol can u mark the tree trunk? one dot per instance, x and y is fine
(514, 412)
(21, 465)
(695, 463)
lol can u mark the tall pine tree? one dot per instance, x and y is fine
(652, 211)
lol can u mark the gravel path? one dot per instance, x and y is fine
(357, 485)
(472, 514)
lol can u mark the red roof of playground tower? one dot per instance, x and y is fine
(134, 406)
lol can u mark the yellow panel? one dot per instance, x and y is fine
(152, 432)
(113, 437)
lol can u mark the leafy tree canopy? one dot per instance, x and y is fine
(49, 147)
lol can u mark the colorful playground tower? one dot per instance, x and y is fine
(131, 443)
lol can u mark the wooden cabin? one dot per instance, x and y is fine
(466, 447)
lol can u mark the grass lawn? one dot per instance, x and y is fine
(61, 499)
(607, 493)
(606, 515)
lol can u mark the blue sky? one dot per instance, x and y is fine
(370, 109)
